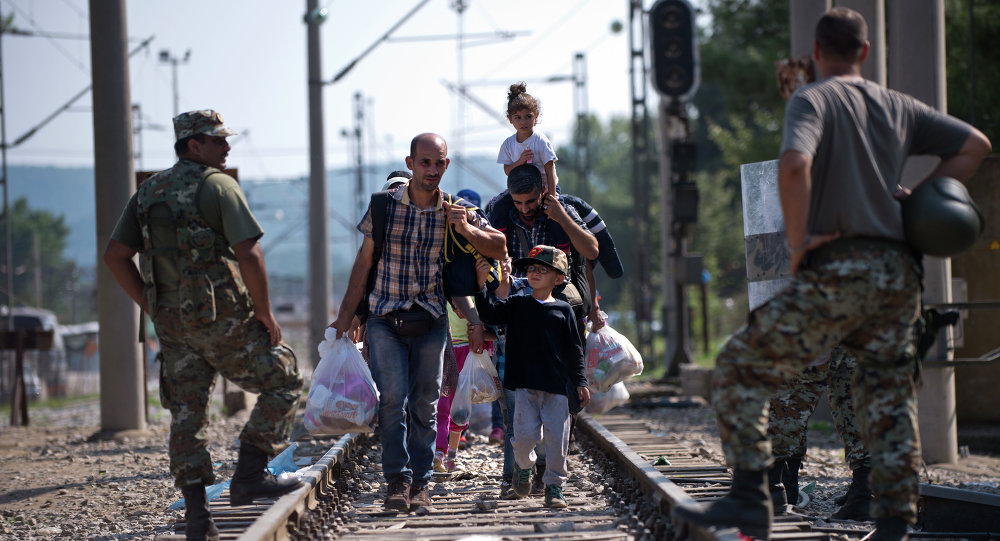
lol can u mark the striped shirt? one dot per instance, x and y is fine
(409, 270)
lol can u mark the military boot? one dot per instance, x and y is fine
(778, 499)
(857, 501)
(252, 480)
(890, 529)
(790, 478)
(747, 507)
(197, 516)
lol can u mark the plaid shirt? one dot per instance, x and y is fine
(409, 270)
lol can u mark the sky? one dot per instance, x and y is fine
(248, 61)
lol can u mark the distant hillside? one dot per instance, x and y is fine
(280, 206)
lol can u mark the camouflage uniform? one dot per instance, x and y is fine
(796, 400)
(203, 315)
(864, 295)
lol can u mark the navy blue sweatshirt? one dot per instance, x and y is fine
(543, 350)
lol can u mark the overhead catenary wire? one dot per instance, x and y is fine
(344, 71)
(69, 56)
(69, 103)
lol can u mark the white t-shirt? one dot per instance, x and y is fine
(540, 146)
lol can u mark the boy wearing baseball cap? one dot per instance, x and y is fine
(543, 353)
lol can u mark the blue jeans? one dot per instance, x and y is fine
(407, 372)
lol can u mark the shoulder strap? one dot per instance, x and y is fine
(380, 213)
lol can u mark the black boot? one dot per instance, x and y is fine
(890, 529)
(857, 501)
(252, 480)
(197, 516)
(747, 507)
(790, 478)
(778, 498)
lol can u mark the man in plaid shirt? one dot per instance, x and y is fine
(407, 324)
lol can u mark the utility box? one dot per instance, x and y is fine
(976, 384)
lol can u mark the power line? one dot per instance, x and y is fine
(55, 43)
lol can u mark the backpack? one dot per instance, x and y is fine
(460, 257)
(379, 208)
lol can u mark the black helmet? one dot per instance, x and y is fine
(940, 219)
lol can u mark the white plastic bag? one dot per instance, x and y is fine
(485, 381)
(461, 405)
(478, 383)
(604, 402)
(342, 397)
(610, 358)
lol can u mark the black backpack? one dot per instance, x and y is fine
(379, 208)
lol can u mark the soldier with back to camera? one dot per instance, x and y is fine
(855, 281)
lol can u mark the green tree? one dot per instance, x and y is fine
(972, 80)
(57, 274)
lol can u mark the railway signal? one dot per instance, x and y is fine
(673, 49)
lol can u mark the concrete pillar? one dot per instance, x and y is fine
(874, 68)
(804, 14)
(917, 67)
(122, 382)
(319, 230)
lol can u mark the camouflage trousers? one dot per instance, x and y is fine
(237, 346)
(861, 294)
(796, 400)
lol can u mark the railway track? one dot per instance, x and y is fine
(622, 486)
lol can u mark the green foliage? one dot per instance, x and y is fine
(57, 273)
(821, 426)
(609, 190)
(985, 26)
(737, 117)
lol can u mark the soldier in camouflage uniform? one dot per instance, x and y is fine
(204, 284)
(855, 283)
(788, 422)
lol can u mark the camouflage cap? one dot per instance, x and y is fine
(204, 121)
(546, 255)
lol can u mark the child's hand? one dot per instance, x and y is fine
(526, 156)
(583, 394)
(482, 271)
(476, 339)
(554, 209)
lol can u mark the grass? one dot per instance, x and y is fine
(821, 426)
(66, 401)
(56, 402)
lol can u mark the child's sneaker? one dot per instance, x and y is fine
(439, 466)
(496, 437)
(554, 497)
(522, 480)
(451, 464)
(462, 443)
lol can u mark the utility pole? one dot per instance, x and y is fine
(459, 143)
(642, 291)
(320, 283)
(8, 237)
(121, 375)
(359, 162)
(582, 123)
(674, 55)
(167, 58)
